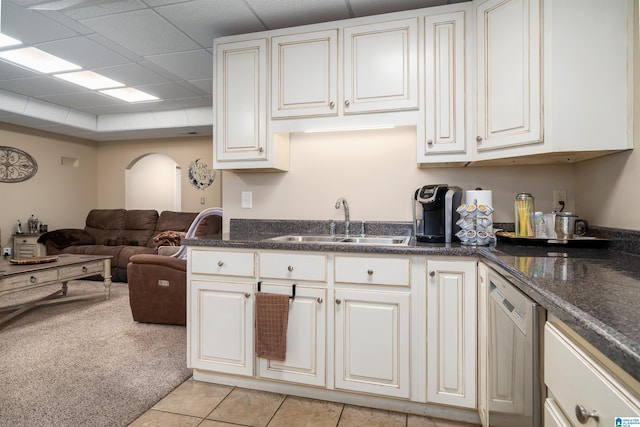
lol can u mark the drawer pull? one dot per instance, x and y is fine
(33, 279)
(338, 302)
(220, 263)
(84, 269)
(290, 268)
(583, 415)
(319, 300)
(370, 272)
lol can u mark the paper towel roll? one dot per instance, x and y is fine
(479, 197)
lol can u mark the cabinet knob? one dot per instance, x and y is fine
(332, 105)
(432, 273)
(370, 272)
(583, 415)
(33, 279)
(478, 138)
(247, 295)
(429, 141)
(261, 149)
(220, 263)
(84, 269)
(347, 103)
(319, 300)
(338, 302)
(290, 268)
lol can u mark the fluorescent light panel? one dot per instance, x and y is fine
(89, 79)
(6, 41)
(130, 94)
(39, 60)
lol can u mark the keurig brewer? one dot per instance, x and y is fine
(435, 213)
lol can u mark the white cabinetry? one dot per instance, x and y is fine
(579, 383)
(554, 80)
(242, 137)
(304, 74)
(381, 66)
(483, 334)
(451, 332)
(221, 311)
(445, 87)
(305, 361)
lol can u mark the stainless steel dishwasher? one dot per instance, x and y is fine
(515, 379)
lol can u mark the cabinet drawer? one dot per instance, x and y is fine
(226, 263)
(29, 279)
(575, 378)
(553, 416)
(373, 270)
(81, 270)
(293, 266)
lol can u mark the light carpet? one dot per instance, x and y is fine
(86, 363)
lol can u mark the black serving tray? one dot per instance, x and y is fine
(577, 242)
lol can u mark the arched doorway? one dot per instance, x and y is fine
(152, 181)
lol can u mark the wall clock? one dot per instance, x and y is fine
(200, 176)
(16, 165)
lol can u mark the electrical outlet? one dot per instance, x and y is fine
(6, 251)
(246, 200)
(559, 196)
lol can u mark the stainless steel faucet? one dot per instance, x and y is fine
(346, 214)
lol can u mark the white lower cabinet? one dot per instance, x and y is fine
(581, 389)
(221, 326)
(451, 332)
(306, 338)
(372, 341)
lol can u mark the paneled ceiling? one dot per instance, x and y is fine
(162, 47)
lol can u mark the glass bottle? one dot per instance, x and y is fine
(524, 211)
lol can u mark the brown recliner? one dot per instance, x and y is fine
(158, 283)
(158, 289)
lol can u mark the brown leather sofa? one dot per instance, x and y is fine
(122, 233)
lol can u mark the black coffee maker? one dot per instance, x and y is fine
(434, 213)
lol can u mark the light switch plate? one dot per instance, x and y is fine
(247, 200)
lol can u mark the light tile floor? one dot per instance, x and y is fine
(196, 403)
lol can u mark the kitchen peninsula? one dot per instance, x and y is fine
(413, 288)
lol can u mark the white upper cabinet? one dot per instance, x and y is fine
(381, 67)
(304, 74)
(509, 90)
(445, 93)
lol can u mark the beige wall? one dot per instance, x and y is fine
(115, 156)
(376, 171)
(58, 195)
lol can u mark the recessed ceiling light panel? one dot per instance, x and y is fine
(39, 60)
(89, 79)
(6, 41)
(130, 94)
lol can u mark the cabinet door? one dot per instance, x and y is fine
(372, 342)
(304, 74)
(451, 333)
(483, 336)
(381, 67)
(509, 108)
(306, 332)
(445, 84)
(241, 101)
(221, 326)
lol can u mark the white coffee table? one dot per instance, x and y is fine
(21, 277)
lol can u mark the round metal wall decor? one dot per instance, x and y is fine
(16, 165)
(200, 176)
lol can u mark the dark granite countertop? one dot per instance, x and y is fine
(595, 291)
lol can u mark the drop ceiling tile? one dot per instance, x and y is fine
(79, 100)
(115, 47)
(191, 65)
(107, 8)
(288, 13)
(204, 20)
(84, 52)
(39, 86)
(9, 71)
(143, 32)
(205, 85)
(131, 74)
(374, 7)
(167, 91)
(29, 26)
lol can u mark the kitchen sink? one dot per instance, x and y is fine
(355, 240)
